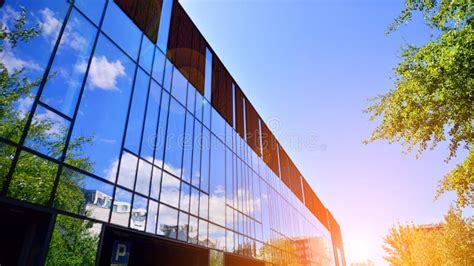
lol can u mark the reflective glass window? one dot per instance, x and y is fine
(179, 87)
(216, 237)
(33, 179)
(6, 155)
(197, 144)
(143, 178)
(128, 167)
(229, 169)
(193, 230)
(205, 163)
(167, 221)
(93, 12)
(194, 202)
(151, 122)
(202, 237)
(155, 183)
(217, 182)
(199, 103)
(229, 241)
(218, 125)
(174, 138)
(188, 148)
(165, 18)
(70, 64)
(31, 56)
(101, 118)
(73, 240)
(158, 66)
(170, 190)
(127, 35)
(47, 133)
(206, 114)
(139, 211)
(152, 217)
(229, 218)
(161, 131)
(121, 207)
(83, 195)
(191, 101)
(137, 112)
(208, 74)
(167, 75)
(203, 206)
(146, 54)
(185, 194)
(183, 226)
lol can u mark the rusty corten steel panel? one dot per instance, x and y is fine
(221, 86)
(295, 180)
(284, 166)
(253, 132)
(145, 14)
(269, 144)
(187, 47)
(239, 111)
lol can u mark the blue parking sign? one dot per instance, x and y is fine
(120, 253)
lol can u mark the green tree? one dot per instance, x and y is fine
(447, 243)
(433, 97)
(72, 242)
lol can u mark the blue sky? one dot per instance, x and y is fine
(309, 68)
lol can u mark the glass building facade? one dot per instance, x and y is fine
(102, 131)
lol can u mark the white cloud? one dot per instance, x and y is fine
(50, 25)
(8, 15)
(103, 74)
(12, 62)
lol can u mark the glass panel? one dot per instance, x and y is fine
(137, 112)
(230, 241)
(184, 202)
(121, 207)
(229, 169)
(202, 233)
(33, 179)
(188, 148)
(106, 96)
(167, 75)
(218, 125)
(205, 163)
(47, 133)
(70, 63)
(191, 101)
(216, 237)
(139, 210)
(183, 226)
(170, 190)
(94, 12)
(155, 183)
(151, 122)
(194, 202)
(146, 54)
(161, 132)
(158, 66)
(203, 206)
(196, 165)
(180, 86)
(174, 139)
(229, 218)
(208, 75)
(199, 106)
(128, 167)
(206, 114)
(127, 35)
(6, 156)
(84, 195)
(217, 182)
(216, 258)
(167, 221)
(193, 230)
(165, 19)
(152, 217)
(73, 240)
(143, 178)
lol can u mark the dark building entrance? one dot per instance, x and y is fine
(23, 235)
(144, 250)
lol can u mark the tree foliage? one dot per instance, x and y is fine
(448, 243)
(72, 242)
(433, 96)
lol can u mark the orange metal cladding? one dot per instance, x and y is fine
(239, 112)
(187, 48)
(269, 144)
(221, 97)
(253, 132)
(145, 14)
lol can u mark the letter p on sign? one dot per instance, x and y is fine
(120, 253)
